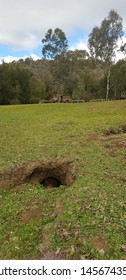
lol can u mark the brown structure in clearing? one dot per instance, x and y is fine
(64, 98)
(61, 99)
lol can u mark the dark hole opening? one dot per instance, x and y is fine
(51, 182)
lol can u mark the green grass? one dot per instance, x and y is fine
(85, 221)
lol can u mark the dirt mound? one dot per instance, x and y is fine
(112, 130)
(49, 173)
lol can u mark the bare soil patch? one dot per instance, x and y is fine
(114, 144)
(112, 140)
(52, 255)
(111, 130)
(95, 137)
(29, 214)
(49, 173)
(115, 177)
(32, 209)
(107, 133)
(46, 253)
(98, 242)
(58, 207)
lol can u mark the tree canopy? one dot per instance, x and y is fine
(66, 72)
(102, 42)
(55, 44)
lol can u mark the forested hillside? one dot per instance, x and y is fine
(78, 74)
(28, 81)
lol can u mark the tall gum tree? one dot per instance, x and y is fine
(55, 46)
(103, 41)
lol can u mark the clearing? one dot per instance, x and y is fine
(81, 216)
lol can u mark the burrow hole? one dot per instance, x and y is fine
(51, 182)
(48, 173)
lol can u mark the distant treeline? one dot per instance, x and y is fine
(28, 81)
(77, 74)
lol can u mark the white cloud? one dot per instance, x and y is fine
(120, 55)
(10, 58)
(23, 23)
(35, 57)
(81, 45)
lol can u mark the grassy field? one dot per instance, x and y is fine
(84, 221)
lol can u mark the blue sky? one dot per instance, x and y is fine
(23, 23)
(7, 50)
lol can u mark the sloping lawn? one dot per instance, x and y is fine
(84, 221)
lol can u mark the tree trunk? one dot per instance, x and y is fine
(108, 84)
(115, 92)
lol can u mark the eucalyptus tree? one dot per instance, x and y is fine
(123, 48)
(103, 41)
(55, 44)
(118, 77)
